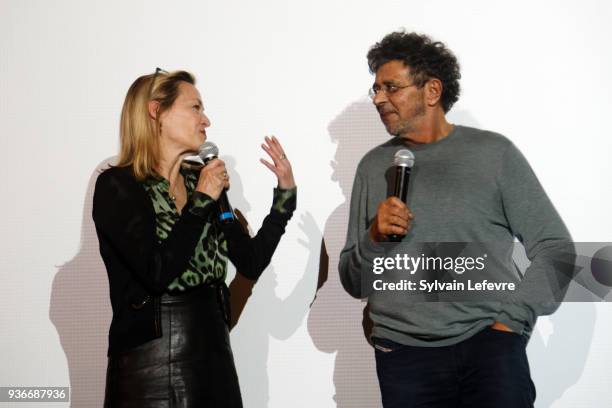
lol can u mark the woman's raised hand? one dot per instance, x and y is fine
(281, 165)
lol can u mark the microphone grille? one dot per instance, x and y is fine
(404, 158)
(208, 150)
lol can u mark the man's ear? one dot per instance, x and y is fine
(433, 91)
(153, 107)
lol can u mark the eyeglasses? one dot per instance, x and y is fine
(157, 71)
(388, 90)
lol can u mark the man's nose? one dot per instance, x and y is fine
(379, 98)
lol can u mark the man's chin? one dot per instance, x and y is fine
(393, 131)
(399, 130)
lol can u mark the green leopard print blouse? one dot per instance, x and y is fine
(208, 265)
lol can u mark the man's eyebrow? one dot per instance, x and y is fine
(386, 83)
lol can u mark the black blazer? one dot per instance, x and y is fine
(140, 269)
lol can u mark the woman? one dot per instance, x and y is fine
(166, 251)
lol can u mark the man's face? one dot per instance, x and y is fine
(402, 106)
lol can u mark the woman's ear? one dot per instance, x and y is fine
(153, 107)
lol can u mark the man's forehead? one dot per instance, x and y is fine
(394, 69)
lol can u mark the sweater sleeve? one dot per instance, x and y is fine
(534, 221)
(125, 224)
(357, 256)
(251, 255)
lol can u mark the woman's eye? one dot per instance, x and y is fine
(196, 107)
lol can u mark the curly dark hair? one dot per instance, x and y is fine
(426, 58)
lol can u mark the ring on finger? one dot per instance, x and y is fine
(282, 156)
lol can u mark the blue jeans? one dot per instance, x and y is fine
(490, 369)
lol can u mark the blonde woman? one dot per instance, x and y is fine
(166, 251)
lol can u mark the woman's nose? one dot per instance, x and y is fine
(205, 120)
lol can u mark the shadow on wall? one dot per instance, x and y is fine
(557, 361)
(337, 323)
(266, 314)
(81, 312)
(563, 344)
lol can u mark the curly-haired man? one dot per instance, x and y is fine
(467, 185)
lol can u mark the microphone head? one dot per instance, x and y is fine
(208, 151)
(404, 158)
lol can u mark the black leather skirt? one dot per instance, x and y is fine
(191, 365)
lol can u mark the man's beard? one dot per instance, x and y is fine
(408, 125)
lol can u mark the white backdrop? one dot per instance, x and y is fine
(537, 72)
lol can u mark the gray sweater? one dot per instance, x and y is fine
(471, 186)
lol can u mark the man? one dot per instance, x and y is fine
(467, 185)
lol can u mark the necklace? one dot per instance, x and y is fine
(175, 188)
(172, 195)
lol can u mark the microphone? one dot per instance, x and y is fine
(207, 152)
(403, 162)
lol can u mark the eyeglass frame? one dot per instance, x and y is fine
(157, 71)
(388, 90)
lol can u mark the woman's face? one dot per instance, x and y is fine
(183, 126)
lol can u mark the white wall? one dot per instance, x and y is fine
(537, 72)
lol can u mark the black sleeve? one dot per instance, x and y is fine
(251, 256)
(125, 224)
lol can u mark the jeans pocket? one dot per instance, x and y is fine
(494, 330)
(385, 346)
(513, 336)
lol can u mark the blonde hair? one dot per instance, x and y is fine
(139, 133)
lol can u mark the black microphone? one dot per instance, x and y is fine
(403, 162)
(207, 152)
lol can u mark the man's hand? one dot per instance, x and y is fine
(501, 327)
(392, 217)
